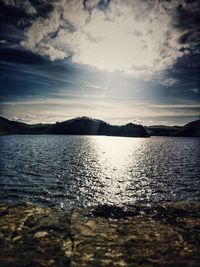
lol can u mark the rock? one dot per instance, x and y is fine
(103, 236)
(32, 236)
(40, 234)
(138, 236)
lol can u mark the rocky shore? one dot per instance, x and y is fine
(137, 236)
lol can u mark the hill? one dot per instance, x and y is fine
(7, 126)
(190, 129)
(15, 127)
(76, 126)
(89, 126)
(161, 130)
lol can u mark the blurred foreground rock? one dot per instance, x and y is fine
(100, 236)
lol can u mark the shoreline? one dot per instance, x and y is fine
(158, 235)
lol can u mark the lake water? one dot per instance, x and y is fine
(75, 171)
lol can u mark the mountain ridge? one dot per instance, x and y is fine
(190, 129)
(89, 126)
(76, 126)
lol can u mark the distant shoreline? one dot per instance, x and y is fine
(89, 126)
(151, 136)
(7, 134)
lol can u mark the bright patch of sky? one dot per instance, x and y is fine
(116, 60)
(135, 37)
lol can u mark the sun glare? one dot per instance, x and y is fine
(124, 43)
(114, 156)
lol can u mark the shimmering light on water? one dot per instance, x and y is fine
(71, 171)
(113, 157)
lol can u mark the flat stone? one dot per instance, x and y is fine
(40, 234)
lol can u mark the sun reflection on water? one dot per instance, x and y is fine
(116, 161)
(76, 171)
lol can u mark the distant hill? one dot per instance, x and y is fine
(162, 130)
(7, 126)
(89, 126)
(15, 127)
(78, 126)
(190, 129)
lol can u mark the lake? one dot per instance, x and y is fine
(78, 171)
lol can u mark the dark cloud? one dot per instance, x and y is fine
(187, 20)
(16, 17)
(187, 72)
(20, 55)
(43, 7)
(100, 4)
(11, 28)
(103, 4)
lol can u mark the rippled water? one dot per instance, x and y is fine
(71, 171)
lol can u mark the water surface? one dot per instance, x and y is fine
(72, 171)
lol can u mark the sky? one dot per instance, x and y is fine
(116, 60)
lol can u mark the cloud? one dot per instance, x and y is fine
(187, 20)
(195, 90)
(136, 37)
(169, 82)
(25, 5)
(132, 36)
(177, 106)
